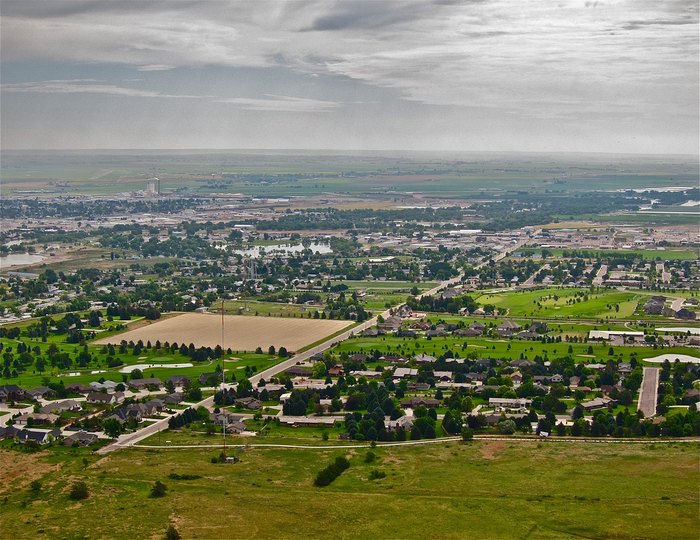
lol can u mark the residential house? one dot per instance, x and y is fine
(11, 392)
(467, 332)
(393, 359)
(336, 371)
(106, 385)
(102, 398)
(598, 403)
(37, 419)
(179, 381)
(404, 372)
(523, 363)
(390, 324)
(77, 388)
(249, 403)
(510, 403)
(39, 437)
(366, 374)
(423, 358)
(57, 407)
(80, 438)
(147, 383)
(402, 422)
(419, 401)
(443, 375)
(42, 392)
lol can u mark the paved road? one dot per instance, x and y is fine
(530, 282)
(677, 304)
(648, 391)
(665, 275)
(598, 279)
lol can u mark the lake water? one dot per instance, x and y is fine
(19, 259)
(281, 249)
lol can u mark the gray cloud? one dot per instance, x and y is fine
(635, 61)
(86, 86)
(274, 103)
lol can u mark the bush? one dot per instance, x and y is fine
(176, 476)
(467, 434)
(79, 491)
(376, 474)
(158, 489)
(370, 457)
(330, 473)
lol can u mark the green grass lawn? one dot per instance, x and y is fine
(32, 378)
(478, 490)
(500, 348)
(541, 303)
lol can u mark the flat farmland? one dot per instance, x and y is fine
(241, 333)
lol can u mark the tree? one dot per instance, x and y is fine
(95, 318)
(158, 489)
(507, 427)
(467, 433)
(172, 533)
(112, 427)
(78, 491)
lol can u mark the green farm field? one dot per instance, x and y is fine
(647, 254)
(483, 489)
(371, 174)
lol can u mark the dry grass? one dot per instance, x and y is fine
(241, 333)
(18, 470)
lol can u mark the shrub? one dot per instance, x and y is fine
(172, 533)
(79, 491)
(158, 489)
(376, 474)
(176, 476)
(330, 473)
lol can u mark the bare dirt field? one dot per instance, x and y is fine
(241, 333)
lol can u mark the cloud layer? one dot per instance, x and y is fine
(622, 74)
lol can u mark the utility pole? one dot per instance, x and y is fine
(223, 378)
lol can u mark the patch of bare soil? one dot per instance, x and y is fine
(18, 470)
(491, 449)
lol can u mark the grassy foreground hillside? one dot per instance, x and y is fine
(481, 489)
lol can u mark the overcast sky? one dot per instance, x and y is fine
(523, 75)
